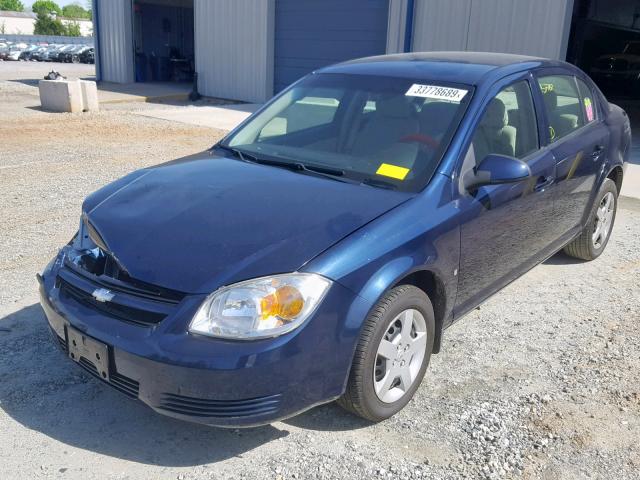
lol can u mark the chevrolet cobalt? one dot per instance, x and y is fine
(319, 251)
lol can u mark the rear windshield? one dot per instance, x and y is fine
(389, 132)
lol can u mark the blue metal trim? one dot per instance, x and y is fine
(96, 39)
(408, 26)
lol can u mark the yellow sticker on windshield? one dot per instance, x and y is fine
(392, 171)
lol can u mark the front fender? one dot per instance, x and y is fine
(422, 234)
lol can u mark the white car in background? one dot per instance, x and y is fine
(15, 50)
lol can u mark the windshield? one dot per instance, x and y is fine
(386, 131)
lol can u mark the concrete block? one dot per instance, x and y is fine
(60, 95)
(89, 96)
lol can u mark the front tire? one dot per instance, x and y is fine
(392, 354)
(594, 238)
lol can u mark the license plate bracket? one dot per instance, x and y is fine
(81, 346)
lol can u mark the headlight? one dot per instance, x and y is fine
(260, 308)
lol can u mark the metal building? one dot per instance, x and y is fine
(250, 49)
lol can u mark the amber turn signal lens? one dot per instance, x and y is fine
(286, 302)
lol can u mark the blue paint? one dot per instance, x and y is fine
(248, 201)
(183, 229)
(311, 34)
(408, 27)
(96, 35)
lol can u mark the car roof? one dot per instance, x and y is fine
(455, 67)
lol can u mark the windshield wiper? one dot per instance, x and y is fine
(245, 157)
(334, 172)
(328, 172)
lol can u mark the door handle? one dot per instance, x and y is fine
(543, 182)
(597, 152)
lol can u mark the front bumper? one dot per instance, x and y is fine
(214, 381)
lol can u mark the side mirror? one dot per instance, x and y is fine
(495, 170)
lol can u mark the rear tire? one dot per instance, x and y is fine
(381, 384)
(594, 238)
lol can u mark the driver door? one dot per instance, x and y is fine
(504, 228)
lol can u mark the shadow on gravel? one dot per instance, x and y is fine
(562, 258)
(32, 82)
(45, 392)
(329, 418)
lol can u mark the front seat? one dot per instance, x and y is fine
(394, 118)
(494, 134)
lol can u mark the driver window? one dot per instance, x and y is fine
(508, 126)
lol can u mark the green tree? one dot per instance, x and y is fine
(75, 11)
(47, 25)
(11, 5)
(73, 29)
(89, 7)
(46, 7)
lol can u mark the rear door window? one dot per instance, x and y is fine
(562, 105)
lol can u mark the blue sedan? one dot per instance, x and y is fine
(321, 249)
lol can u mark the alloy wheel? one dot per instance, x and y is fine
(604, 220)
(400, 355)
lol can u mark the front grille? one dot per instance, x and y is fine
(105, 271)
(121, 312)
(201, 407)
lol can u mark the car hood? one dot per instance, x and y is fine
(205, 221)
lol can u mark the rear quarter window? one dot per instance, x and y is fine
(588, 99)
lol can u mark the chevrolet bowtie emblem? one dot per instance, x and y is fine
(102, 295)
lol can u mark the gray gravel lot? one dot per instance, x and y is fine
(539, 382)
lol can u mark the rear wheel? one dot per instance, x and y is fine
(595, 236)
(392, 355)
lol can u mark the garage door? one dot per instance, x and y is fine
(314, 33)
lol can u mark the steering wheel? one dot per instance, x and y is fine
(421, 138)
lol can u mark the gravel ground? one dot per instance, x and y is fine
(539, 382)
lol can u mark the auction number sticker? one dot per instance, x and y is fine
(588, 106)
(436, 93)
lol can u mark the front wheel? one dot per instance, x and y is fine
(392, 354)
(594, 238)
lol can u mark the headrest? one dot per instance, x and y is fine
(435, 117)
(496, 115)
(441, 110)
(397, 106)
